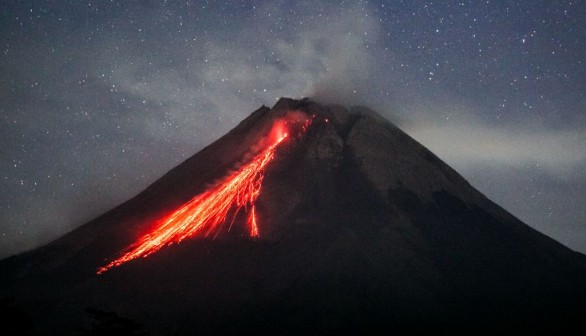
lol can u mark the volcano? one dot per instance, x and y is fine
(305, 218)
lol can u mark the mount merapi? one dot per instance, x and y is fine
(360, 228)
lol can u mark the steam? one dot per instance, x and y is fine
(350, 45)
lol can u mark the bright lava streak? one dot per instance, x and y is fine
(205, 213)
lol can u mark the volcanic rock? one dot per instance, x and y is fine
(361, 229)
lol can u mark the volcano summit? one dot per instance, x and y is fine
(304, 218)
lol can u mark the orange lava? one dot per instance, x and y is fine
(206, 213)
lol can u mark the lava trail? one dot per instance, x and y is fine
(206, 212)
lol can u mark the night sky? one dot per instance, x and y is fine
(99, 99)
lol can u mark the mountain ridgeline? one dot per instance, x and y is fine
(361, 228)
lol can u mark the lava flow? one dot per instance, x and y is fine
(205, 213)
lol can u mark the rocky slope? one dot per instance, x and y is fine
(362, 228)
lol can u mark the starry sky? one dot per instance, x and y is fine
(100, 98)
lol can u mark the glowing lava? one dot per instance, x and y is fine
(205, 213)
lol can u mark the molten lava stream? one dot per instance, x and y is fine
(206, 213)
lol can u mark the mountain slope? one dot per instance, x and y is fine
(361, 228)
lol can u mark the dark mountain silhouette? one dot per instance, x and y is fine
(362, 229)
